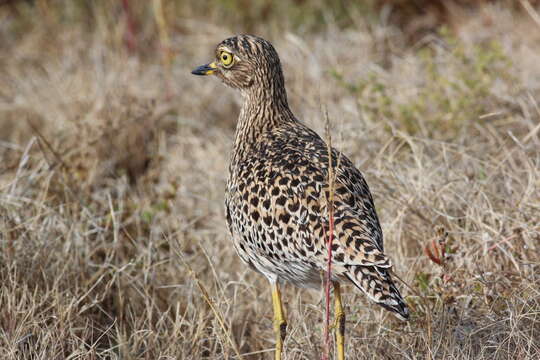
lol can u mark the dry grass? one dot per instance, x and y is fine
(112, 235)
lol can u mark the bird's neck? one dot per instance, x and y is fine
(261, 112)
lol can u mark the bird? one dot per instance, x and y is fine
(277, 196)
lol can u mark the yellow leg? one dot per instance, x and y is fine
(280, 324)
(339, 326)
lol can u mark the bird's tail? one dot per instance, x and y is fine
(377, 284)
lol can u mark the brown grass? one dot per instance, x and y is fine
(112, 235)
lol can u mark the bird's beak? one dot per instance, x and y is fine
(207, 69)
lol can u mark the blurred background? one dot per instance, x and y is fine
(113, 161)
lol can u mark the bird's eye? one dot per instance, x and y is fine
(226, 59)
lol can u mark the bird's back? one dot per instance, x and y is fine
(277, 211)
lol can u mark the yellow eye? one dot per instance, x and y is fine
(226, 58)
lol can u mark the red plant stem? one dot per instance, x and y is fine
(129, 37)
(330, 240)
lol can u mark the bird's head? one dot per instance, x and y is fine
(244, 62)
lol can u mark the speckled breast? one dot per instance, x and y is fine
(269, 222)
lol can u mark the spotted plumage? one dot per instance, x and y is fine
(277, 189)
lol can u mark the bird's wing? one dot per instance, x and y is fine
(303, 182)
(356, 223)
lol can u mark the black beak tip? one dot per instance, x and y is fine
(203, 70)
